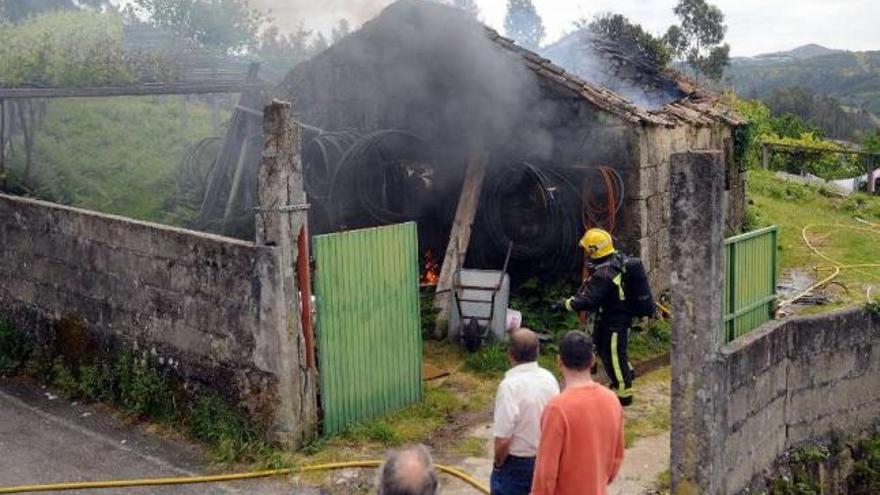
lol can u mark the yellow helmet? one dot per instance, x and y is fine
(597, 243)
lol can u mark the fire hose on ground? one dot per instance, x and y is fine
(836, 266)
(219, 478)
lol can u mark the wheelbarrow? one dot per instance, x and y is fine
(481, 299)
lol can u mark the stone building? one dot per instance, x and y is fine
(454, 88)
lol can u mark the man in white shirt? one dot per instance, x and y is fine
(520, 401)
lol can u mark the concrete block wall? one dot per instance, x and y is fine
(794, 381)
(213, 306)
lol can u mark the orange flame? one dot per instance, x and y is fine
(431, 276)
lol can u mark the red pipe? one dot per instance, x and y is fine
(304, 281)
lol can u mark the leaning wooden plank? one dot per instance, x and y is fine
(459, 238)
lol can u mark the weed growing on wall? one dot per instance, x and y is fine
(14, 348)
(865, 477)
(229, 435)
(140, 386)
(801, 476)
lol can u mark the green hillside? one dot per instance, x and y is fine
(852, 77)
(114, 155)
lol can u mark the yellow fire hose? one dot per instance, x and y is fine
(836, 266)
(95, 485)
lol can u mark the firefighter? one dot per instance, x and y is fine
(602, 295)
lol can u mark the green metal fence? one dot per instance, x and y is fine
(369, 336)
(750, 279)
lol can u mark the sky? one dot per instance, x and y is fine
(755, 26)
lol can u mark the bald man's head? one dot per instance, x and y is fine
(409, 471)
(523, 346)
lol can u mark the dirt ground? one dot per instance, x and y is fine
(645, 462)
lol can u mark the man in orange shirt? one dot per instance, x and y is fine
(582, 444)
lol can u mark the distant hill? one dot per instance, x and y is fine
(851, 77)
(802, 52)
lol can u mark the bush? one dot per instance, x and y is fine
(95, 383)
(64, 379)
(865, 478)
(63, 49)
(535, 300)
(14, 348)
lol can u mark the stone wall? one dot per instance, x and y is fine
(794, 381)
(211, 307)
(650, 199)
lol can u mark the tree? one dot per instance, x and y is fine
(631, 38)
(19, 10)
(283, 51)
(320, 43)
(872, 142)
(698, 39)
(223, 25)
(523, 24)
(469, 6)
(341, 30)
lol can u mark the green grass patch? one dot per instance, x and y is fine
(649, 414)
(114, 155)
(470, 447)
(650, 340)
(491, 359)
(793, 206)
(664, 481)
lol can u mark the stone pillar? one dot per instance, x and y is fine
(281, 215)
(697, 230)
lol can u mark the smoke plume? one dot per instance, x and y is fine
(320, 15)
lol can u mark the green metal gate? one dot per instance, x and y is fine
(369, 335)
(750, 279)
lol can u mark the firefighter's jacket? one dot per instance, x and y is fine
(602, 294)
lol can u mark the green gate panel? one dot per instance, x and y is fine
(369, 334)
(750, 280)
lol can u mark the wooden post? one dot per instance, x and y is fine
(765, 156)
(459, 238)
(280, 219)
(872, 180)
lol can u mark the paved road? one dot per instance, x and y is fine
(45, 439)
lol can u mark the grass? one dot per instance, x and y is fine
(114, 155)
(470, 447)
(649, 414)
(451, 405)
(793, 206)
